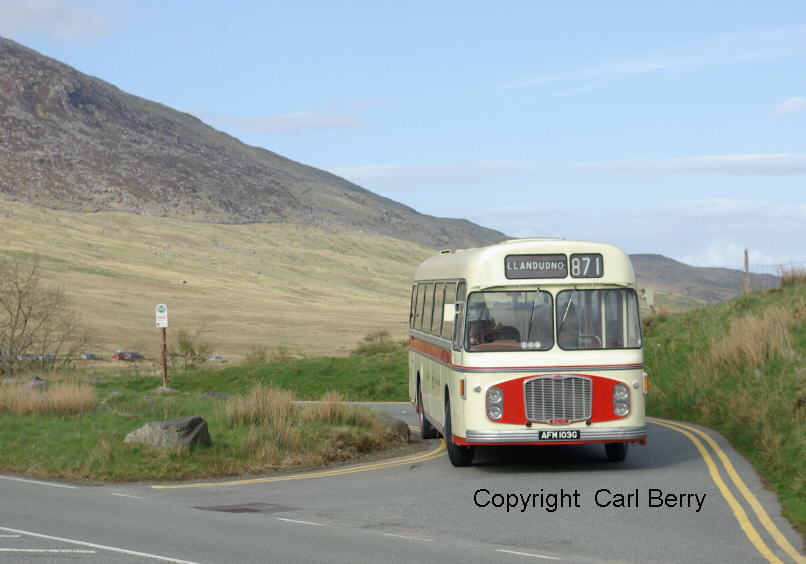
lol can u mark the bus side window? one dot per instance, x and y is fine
(458, 330)
(439, 297)
(418, 314)
(450, 298)
(413, 307)
(428, 310)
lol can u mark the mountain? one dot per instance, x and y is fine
(74, 142)
(249, 247)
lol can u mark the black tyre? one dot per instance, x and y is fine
(459, 455)
(616, 452)
(427, 431)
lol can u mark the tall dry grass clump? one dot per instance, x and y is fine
(329, 410)
(753, 339)
(62, 398)
(791, 275)
(264, 405)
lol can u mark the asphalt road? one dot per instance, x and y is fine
(685, 497)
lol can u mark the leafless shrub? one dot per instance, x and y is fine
(35, 320)
(190, 347)
(258, 354)
(377, 342)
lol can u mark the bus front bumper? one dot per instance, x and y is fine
(538, 436)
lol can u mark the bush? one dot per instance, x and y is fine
(377, 342)
(258, 354)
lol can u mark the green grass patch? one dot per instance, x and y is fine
(377, 377)
(738, 367)
(89, 445)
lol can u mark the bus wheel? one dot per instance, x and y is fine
(458, 455)
(427, 430)
(616, 452)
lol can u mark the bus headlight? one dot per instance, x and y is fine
(495, 403)
(621, 400)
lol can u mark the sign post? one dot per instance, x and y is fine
(162, 323)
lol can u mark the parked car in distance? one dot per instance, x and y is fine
(90, 356)
(130, 356)
(43, 357)
(215, 357)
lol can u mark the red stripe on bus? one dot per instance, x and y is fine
(434, 351)
(444, 355)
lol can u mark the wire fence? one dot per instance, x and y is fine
(784, 273)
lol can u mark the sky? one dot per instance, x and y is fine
(676, 128)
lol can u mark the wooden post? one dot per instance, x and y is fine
(164, 358)
(746, 272)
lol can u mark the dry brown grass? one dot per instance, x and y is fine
(330, 410)
(247, 285)
(265, 405)
(792, 275)
(62, 398)
(751, 340)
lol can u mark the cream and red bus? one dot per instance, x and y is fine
(528, 342)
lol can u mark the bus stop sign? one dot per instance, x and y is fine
(162, 316)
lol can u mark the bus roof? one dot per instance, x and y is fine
(484, 267)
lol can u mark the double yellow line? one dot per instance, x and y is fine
(435, 453)
(738, 511)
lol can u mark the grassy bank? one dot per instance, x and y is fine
(68, 431)
(380, 377)
(738, 367)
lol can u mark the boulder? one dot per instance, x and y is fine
(36, 383)
(11, 381)
(395, 426)
(216, 395)
(182, 432)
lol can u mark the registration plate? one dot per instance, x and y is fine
(564, 435)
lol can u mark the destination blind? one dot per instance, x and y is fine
(536, 266)
(589, 265)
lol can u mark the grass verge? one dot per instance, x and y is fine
(260, 432)
(738, 367)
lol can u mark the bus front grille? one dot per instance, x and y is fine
(558, 398)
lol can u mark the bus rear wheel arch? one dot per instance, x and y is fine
(458, 455)
(427, 431)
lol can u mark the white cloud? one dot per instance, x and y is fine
(790, 106)
(480, 173)
(703, 232)
(720, 254)
(59, 18)
(726, 49)
(296, 123)
(769, 164)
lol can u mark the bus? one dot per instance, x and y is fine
(528, 342)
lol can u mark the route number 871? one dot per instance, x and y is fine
(587, 266)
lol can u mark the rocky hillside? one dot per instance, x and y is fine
(74, 142)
